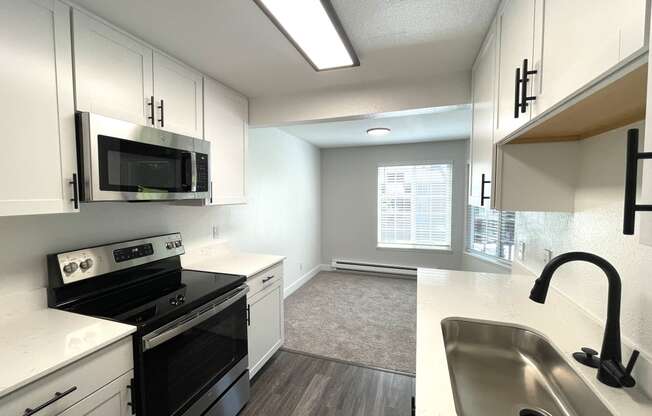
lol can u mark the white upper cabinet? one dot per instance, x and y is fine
(120, 77)
(38, 158)
(516, 28)
(178, 97)
(583, 39)
(482, 144)
(226, 116)
(113, 72)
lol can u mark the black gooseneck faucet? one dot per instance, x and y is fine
(610, 368)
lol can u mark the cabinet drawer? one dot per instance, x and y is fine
(265, 279)
(86, 376)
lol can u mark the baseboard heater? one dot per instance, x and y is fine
(359, 266)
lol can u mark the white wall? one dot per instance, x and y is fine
(284, 211)
(349, 195)
(596, 227)
(374, 98)
(282, 217)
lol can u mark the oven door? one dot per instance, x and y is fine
(185, 360)
(125, 161)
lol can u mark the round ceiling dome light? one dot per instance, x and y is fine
(378, 131)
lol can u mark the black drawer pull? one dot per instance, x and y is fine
(132, 396)
(267, 279)
(57, 396)
(248, 315)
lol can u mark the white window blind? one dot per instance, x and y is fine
(415, 205)
(490, 233)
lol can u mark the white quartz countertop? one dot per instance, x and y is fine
(43, 341)
(504, 298)
(221, 258)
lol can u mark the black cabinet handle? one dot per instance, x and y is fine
(482, 186)
(521, 79)
(57, 396)
(211, 197)
(517, 92)
(526, 78)
(631, 170)
(132, 396)
(162, 108)
(248, 315)
(150, 104)
(75, 191)
(414, 406)
(267, 279)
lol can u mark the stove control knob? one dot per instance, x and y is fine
(86, 264)
(181, 299)
(174, 301)
(70, 268)
(169, 245)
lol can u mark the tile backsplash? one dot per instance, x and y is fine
(596, 227)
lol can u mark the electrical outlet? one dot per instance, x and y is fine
(216, 232)
(547, 255)
(521, 251)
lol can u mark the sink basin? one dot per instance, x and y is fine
(504, 370)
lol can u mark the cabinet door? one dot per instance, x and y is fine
(575, 54)
(226, 115)
(482, 143)
(265, 333)
(179, 89)
(38, 158)
(113, 72)
(114, 399)
(516, 28)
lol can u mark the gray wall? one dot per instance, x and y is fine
(349, 195)
(282, 217)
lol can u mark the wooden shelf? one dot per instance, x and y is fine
(605, 107)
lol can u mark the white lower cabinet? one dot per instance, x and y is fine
(265, 305)
(95, 385)
(114, 399)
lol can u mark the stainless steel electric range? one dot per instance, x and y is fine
(190, 349)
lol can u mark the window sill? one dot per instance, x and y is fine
(399, 247)
(487, 259)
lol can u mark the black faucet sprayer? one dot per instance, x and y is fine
(610, 368)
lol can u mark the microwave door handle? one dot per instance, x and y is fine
(193, 165)
(155, 339)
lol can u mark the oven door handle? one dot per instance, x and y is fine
(166, 333)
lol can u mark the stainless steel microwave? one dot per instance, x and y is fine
(121, 161)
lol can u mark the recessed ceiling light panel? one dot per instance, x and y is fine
(378, 131)
(314, 29)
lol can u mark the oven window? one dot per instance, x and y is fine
(187, 365)
(127, 166)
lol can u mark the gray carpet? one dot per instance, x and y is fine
(362, 319)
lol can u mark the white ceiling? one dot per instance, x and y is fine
(234, 42)
(452, 123)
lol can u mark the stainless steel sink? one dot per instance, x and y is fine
(503, 370)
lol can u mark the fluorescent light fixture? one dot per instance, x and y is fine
(313, 27)
(378, 131)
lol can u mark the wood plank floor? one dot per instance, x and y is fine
(294, 384)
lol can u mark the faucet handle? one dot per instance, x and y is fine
(632, 362)
(617, 375)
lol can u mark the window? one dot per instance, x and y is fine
(490, 233)
(414, 206)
